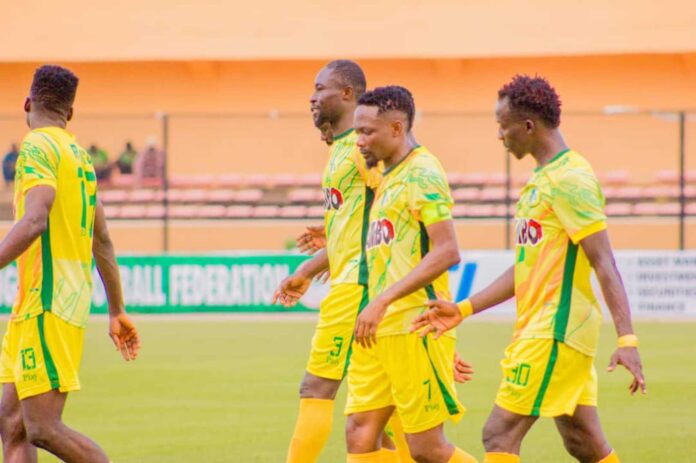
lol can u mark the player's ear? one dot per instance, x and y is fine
(530, 125)
(27, 105)
(397, 128)
(348, 93)
(70, 114)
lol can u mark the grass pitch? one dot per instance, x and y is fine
(225, 390)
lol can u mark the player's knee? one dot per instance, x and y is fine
(579, 447)
(424, 454)
(493, 438)
(313, 387)
(41, 434)
(11, 427)
(360, 435)
(488, 437)
(429, 450)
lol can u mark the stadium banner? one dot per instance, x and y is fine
(659, 284)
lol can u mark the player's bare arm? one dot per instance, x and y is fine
(443, 255)
(443, 316)
(37, 207)
(598, 250)
(121, 330)
(292, 288)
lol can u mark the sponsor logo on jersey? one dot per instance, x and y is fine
(333, 199)
(381, 232)
(528, 232)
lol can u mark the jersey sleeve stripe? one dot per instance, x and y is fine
(589, 230)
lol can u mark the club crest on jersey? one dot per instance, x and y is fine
(381, 232)
(528, 232)
(333, 199)
(534, 197)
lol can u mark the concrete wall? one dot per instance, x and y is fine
(83, 30)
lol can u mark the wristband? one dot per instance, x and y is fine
(465, 308)
(628, 340)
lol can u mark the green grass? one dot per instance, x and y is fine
(226, 391)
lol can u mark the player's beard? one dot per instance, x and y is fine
(320, 118)
(370, 161)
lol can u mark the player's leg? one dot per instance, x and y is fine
(583, 436)
(369, 407)
(395, 433)
(581, 431)
(42, 418)
(326, 368)
(503, 434)
(314, 419)
(421, 372)
(431, 446)
(530, 371)
(364, 433)
(52, 350)
(541, 377)
(16, 447)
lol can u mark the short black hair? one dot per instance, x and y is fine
(391, 98)
(349, 74)
(533, 96)
(54, 88)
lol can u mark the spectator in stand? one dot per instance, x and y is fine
(149, 163)
(8, 164)
(126, 159)
(100, 161)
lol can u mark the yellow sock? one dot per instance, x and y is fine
(312, 430)
(397, 435)
(372, 457)
(499, 457)
(460, 456)
(611, 458)
(389, 456)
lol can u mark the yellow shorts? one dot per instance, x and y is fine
(41, 354)
(544, 377)
(412, 374)
(331, 345)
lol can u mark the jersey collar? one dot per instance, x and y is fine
(553, 159)
(401, 161)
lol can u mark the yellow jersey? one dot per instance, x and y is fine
(560, 205)
(413, 195)
(348, 193)
(54, 273)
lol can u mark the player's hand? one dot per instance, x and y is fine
(368, 321)
(124, 335)
(463, 370)
(291, 290)
(312, 240)
(630, 358)
(440, 317)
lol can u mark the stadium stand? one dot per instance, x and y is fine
(289, 196)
